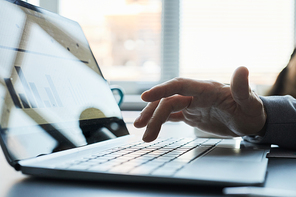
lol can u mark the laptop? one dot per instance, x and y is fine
(59, 118)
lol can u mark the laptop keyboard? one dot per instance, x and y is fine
(162, 157)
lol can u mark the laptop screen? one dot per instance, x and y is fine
(52, 94)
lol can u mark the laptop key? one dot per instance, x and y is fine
(123, 168)
(154, 163)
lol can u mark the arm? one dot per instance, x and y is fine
(280, 125)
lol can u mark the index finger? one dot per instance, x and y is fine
(161, 114)
(182, 86)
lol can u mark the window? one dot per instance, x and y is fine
(123, 34)
(139, 43)
(217, 36)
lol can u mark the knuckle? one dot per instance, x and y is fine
(168, 102)
(178, 83)
(157, 120)
(178, 80)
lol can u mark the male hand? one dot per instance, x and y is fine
(211, 106)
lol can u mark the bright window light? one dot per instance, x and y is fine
(217, 36)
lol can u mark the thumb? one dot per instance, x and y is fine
(241, 90)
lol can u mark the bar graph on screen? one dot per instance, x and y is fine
(31, 98)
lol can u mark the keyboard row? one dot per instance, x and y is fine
(163, 157)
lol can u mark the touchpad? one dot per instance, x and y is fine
(247, 166)
(254, 155)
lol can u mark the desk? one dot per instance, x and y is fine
(281, 174)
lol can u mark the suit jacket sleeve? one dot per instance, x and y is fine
(280, 127)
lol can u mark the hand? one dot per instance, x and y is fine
(211, 106)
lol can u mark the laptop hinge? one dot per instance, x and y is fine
(17, 166)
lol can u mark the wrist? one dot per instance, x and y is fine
(261, 133)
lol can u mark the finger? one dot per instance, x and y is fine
(241, 90)
(146, 114)
(162, 113)
(176, 117)
(182, 86)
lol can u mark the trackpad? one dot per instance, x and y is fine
(228, 165)
(236, 154)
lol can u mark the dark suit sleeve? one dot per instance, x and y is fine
(280, 127)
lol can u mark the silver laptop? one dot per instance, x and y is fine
(59, 118)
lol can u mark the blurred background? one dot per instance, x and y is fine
(140, 43)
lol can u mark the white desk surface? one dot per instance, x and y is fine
(281, 174)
